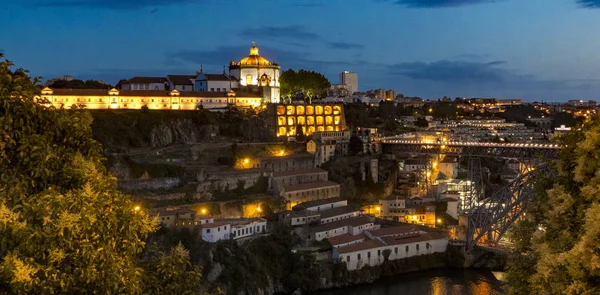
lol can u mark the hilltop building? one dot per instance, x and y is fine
(291, 120)
(251, 82)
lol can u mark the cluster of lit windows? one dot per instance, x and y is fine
(310, 118)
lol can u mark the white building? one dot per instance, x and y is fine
(353, 226)
(232, 229)
(339, 213)
(350, 80)
(401, 242)
(214, 82)
(256, 71)
(216, 231)
(322, 205)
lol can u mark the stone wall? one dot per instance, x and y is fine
(148, 184)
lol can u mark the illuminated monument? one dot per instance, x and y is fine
(257, 74)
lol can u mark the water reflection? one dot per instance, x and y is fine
(439, 282)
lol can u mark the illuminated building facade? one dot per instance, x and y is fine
(254, 71)
(288, 120)
(97, 99)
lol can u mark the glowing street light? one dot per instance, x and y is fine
(137, 208)
(203, 211)
(246, 161)
(258, 209)
(439, 220)
(282, 153)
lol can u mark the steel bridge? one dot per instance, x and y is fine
(476, 149)
(490, 218)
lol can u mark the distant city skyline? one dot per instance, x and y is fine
(508, 49)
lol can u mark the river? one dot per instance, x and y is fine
(437, 282)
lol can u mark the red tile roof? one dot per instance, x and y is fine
(360, 246)
(308, 186)
(346, 238)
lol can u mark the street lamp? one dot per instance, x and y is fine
(203, 211)
(137, 208)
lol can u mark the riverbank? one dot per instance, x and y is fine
(439, 281)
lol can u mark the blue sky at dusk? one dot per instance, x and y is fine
(529, 49)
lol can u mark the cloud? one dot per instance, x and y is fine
(438, 3)
(589, 3)
(454, 71)
(113, 4)
(286, 32)
(344, 45)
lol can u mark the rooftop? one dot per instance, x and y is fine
(293, 156)
(298, 172)
(346, 238)
(181, 79)
(309, 186)
(399, 240)
(338, 211)
(360, 246)
(147, 80)
(320, 202)
(214, 224)
(396, 230)
(353, 222)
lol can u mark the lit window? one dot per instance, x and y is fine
(249, 80)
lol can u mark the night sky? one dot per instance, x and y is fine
(529, 49)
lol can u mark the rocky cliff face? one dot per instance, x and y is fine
(180, 131)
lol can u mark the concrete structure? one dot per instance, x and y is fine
(299, 217)
(340, 213)
(299, 193)
(94, 99)
(285, 163)
(290, 120)
(350, 80)
(281, 179)
(401, 242)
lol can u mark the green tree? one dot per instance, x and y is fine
(559, 238)
(80, 84)
(171, 273)
(308, 84)
(64, 227)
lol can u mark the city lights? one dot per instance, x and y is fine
(137, 208)
(203, 211)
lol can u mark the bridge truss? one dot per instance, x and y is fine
(473, 149)
(492, 217)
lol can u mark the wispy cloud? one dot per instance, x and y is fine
(345, 45)
(285, 32)
(589, 3)
(113, 4)
(438, 3)
(454, 71)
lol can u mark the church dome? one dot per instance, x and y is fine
(254, 59)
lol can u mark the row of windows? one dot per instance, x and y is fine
(407, 248)
(309, 110)
(315, 192)
(310, 120)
